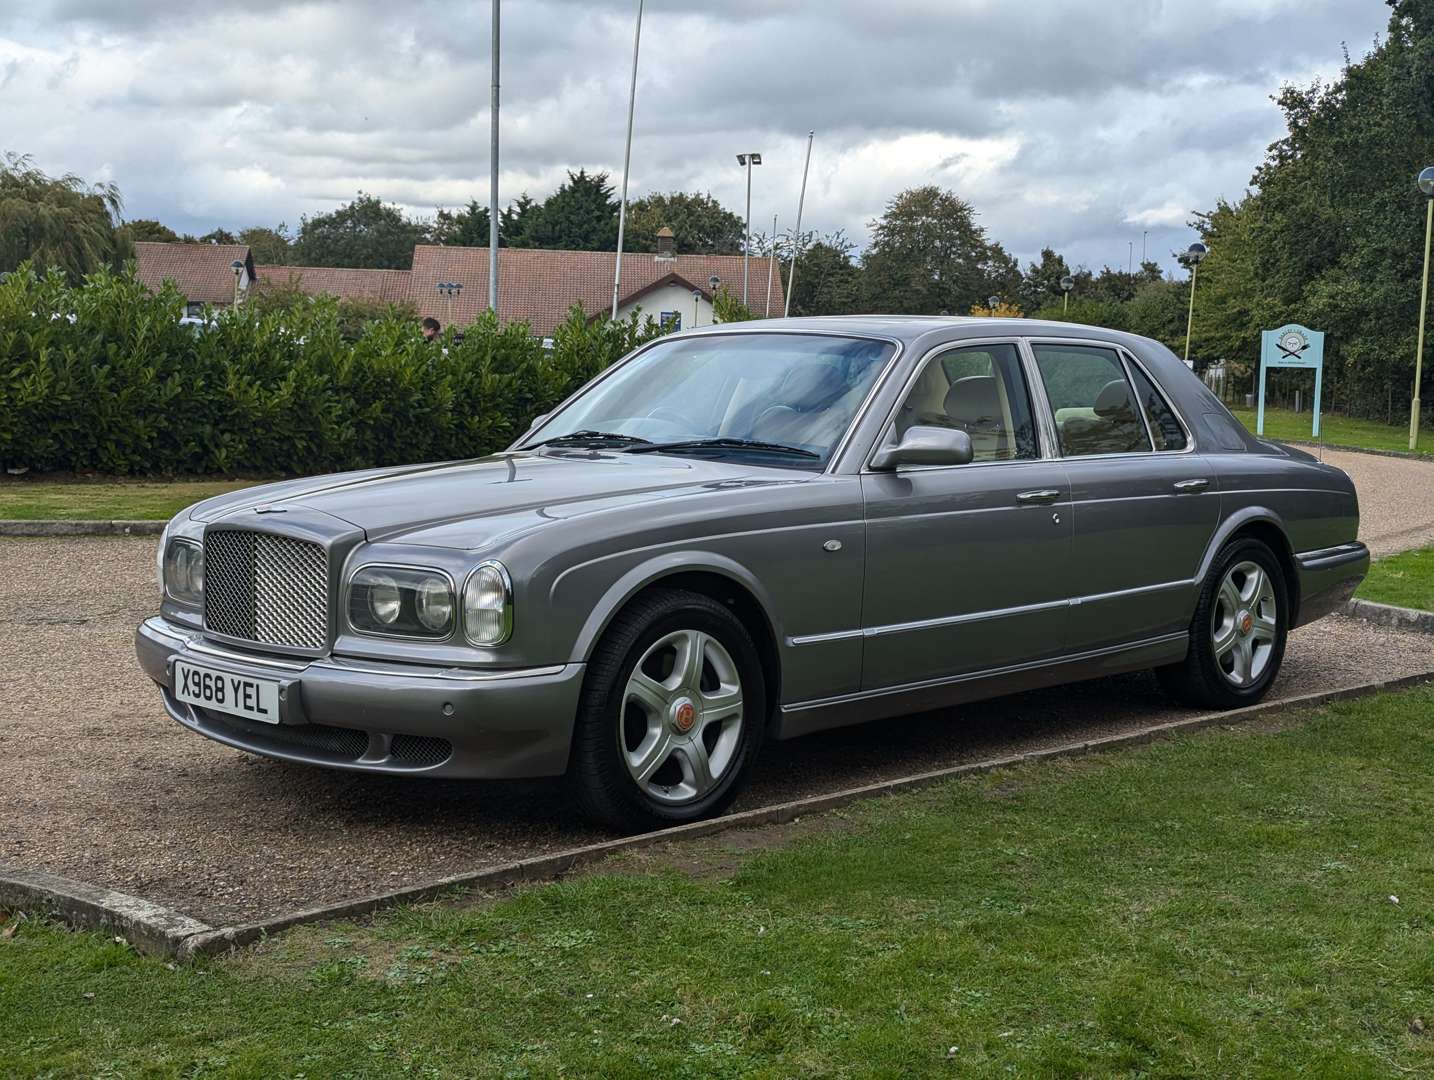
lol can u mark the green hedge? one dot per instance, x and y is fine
(104, 378)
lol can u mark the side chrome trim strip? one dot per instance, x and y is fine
(1331, 557)
(1013, 669)
(982, 616)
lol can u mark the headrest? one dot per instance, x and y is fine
(1113, 399)
(809, 386)
(975, 397)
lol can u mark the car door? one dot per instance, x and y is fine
(967, 566)
(1145, 504)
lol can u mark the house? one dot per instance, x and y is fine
(536, 286)
(539, 286)
(203, 273)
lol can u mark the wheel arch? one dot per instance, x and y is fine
(1263, 524)
(719, 578)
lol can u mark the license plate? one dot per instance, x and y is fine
(256, 699)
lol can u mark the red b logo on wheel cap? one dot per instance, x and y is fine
(684, 716)
(1246, 621)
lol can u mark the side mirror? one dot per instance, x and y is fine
(537, 420)
(926, 446)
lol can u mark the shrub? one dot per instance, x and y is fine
(102, 377)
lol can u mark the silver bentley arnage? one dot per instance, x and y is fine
(755, 532)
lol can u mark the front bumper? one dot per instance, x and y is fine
(1328, 578)
(381, 717)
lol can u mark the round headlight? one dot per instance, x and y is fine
(488, 606)
(434, 604)
(384, 601)
(182, 570)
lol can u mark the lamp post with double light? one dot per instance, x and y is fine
(1191, 258)
(747, 161)
(1067, 284)
(450, 289)
(1426, 188)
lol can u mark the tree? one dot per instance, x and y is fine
(1042, 281)
(928, 256)
(217, 236)
(580, 216)
(366, 233)
(150, 230)
(58, 221)
(464, 228)
(517, 220)
(268, 246)
(828, 282)
(700, 224)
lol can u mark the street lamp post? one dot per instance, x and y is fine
(450, 289)
(1426, 187)
(747, 160)
(712, 283)
(992, 303)
(238, 268)
(1067, 284)
(1193, 256)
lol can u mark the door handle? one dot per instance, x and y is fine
(1185, 486)
(1039, 497)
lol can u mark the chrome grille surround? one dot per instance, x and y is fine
(265, 588)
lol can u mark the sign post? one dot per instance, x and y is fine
(1291, 346)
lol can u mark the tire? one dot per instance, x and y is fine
(1232, 663)
(635, 766)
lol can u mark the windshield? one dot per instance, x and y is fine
(713, 393)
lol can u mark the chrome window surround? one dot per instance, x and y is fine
(492, 564)
(427, 638)
(838, 450)
(164, 581)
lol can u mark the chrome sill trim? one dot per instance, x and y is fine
(1013, 669)
(1140, 590)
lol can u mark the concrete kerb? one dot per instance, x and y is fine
(80, 528)
(1401, 618)
(149, 927)
(153, 928)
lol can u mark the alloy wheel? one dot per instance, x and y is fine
(1244, 625)
(680, 725)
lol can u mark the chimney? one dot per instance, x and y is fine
(664, 244)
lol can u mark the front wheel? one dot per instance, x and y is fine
(1237, 637)
(671, 715)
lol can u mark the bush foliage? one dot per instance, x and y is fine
(103, 377)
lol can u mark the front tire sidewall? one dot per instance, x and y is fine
(621, 802)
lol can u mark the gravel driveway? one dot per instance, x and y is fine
(1396, 499)
(97, 784)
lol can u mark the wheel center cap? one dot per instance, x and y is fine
(1246, 622)
(684, 715)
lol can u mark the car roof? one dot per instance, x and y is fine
(910, 328)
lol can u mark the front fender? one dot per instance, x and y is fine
(638, 577)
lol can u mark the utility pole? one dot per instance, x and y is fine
(626, 161)
(493, 177)
(797, 239)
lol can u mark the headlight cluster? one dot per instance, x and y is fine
(402, 601)
(182, 570)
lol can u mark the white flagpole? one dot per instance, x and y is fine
(771, 264)
(626, 161)
(797, 240)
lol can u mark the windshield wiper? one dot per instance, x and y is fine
(590, 438)
(723, 444)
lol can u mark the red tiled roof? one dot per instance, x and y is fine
(203, 273)
(538, 286)
(380, 286)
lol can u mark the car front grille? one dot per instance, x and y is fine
(266, 588)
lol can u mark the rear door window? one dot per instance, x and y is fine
(1096, 411)
(1164, 424)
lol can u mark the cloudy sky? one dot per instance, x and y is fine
(1074, 124)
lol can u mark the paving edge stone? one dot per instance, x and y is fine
(1402, 618)
(80, 528)
(152, 928)
(149, 927)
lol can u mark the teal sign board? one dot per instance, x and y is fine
(1291, 346)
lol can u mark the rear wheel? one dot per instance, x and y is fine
(671, 715)
(1237, 637)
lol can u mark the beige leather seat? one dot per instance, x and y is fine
(974, 405)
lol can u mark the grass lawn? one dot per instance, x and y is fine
(106, 500)
(1406, 579)
(1218, 905)
(1337, 430)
